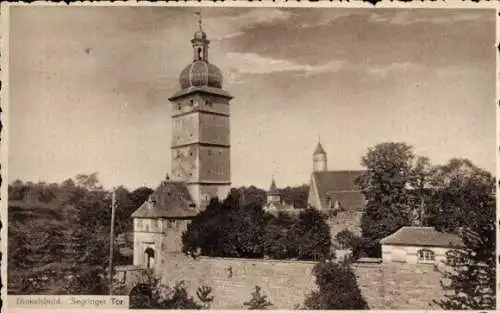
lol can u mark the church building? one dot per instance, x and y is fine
(200, 163)
(333, 190)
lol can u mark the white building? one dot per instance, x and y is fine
(418, 244)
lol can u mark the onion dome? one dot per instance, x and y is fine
(199, 35)
(200, 73)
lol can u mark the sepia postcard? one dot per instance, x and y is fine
(241, 155)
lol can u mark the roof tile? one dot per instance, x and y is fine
(170, 200)
(339, 186)
(421, 236)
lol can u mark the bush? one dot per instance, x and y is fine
(258, 301)
(347, 239)
(151, 294)
(337, 289)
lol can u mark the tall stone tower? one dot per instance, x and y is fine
(200, 143)
(319, 159)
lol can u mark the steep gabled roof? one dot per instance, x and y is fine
(336, 181)
(423, 237)
(170, 200)
(338, 185)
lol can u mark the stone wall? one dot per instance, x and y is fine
(399, 286)
(286, 283)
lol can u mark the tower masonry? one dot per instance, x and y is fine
(200, 144)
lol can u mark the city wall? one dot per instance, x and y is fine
(286, 283)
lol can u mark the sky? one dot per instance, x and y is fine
(89, 88)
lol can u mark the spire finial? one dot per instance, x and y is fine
(199, 18)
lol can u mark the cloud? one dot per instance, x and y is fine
(406, 17)
(260, 16)
(253, 63)
(326, 17)
(384, 70)
(226, 27)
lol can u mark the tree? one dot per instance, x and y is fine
(462, 190)
(59, 234)
(421, 190)
(313, 234)
(227, 230)
(258, 301)
(280, 240)
(249, 195)
(347, 239)
(337, 289)
(466, 206)
(389, 169)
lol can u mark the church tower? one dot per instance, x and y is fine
(319, 159)
(273, 195)
(200, 144)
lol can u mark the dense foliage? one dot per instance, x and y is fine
(466, 205)
(150, 293)
(347, 239)
(59, 235)
(389, 167)
(337, 289)
(402, 189)
(231, 229)
(296, 196)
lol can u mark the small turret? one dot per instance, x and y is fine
(273, 195)
(319, 159)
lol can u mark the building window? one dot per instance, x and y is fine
(425, 255)
(139, 223)
(179, 106)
